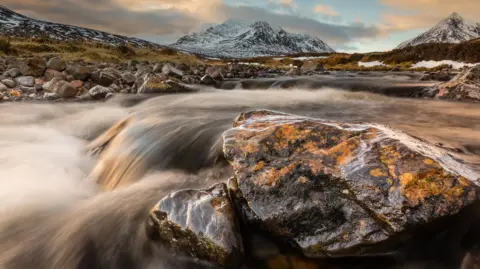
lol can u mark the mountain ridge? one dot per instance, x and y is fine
(453, 29)
(13, 24)
(234, 39)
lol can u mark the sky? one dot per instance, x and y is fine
(345, 25)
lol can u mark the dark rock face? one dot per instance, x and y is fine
(200, 223)
(332, 189)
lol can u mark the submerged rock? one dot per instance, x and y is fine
(199, 223)
(158, 84)
(333, 189)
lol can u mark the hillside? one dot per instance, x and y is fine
(14, 25)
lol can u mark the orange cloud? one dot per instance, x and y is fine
(425, 13)
(326, 10)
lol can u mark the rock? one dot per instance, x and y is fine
(99, 92)
(106, 79)
(69, 78)
(14, 93)
(26, 90)
(338, 189)
(51, 96)
(215, 73)
(129, 78)
(32, 96)
(156, 84)
(13, 72)
(157, 68)
(3, 87)
(9, 83)
(199, 223)
(133, 63)
(51, 73)
(78, 72)
(38, 87)
(33, 67)
(27, 81)
(115, 87)
(437, 76)
(294, 72)
(464, 86)
(48, 86)
(77, 83)
(109, 95)
(64, 89)
(171, 71)
(395, 69)
(56, 64)
(319, 67)
(208, 80)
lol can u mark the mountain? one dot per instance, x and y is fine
(233, 39)
(453, 29)
(13, 24)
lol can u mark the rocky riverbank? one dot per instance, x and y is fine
(51, 78)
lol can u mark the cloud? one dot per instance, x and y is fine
(417, 14)
(326, 10)
(331, 33)
(107, 16)
(151, 18)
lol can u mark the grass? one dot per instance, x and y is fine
(93, 52)
(96, 52)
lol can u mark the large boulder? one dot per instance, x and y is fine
(33, 67)
(336, 189)
(464, 86)
(199, 223)
(9, 83)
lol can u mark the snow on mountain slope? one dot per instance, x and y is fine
(13, 24)
(233, 39)
(453, 29)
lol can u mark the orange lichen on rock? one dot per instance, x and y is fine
(344, 150)
(377, 172)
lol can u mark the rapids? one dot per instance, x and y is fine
(53, 215)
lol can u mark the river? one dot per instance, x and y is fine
(53, 216)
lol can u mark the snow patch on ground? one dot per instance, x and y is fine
(371, 64)
(304, 58)
(433, 64)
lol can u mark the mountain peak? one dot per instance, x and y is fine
(453, 29)
(228, 40)
(456, 16)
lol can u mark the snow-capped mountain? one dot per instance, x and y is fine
(13, 24)
(453, 29)
(233, 39)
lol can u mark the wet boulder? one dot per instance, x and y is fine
(99, 92)
(199, 223)
(27, 81)
(337, 189)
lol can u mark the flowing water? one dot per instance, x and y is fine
(53, 216)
